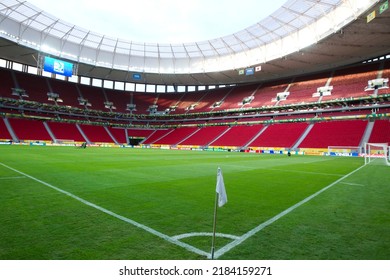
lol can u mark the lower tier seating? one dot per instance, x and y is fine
(282, 135)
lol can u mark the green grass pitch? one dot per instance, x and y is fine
(112, 203)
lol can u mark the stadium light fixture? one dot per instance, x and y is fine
(52, 96)
(19, 92)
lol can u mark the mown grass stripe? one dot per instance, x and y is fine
(122, 218)
(255, 230)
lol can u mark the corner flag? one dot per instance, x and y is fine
(220, 189)
(220, 200)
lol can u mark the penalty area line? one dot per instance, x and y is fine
(122, 218)
(255, 230)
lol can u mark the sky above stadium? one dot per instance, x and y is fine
(161, 21)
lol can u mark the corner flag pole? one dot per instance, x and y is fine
(214, 226)
(220, 200)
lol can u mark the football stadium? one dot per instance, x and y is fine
(269, 143)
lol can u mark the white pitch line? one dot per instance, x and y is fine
(12, 178)
(122, 218)
(192, 234)
(352, 184)
(305, 172)
(252, 232)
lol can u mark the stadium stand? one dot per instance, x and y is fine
(350, 82)
(212, 100)
(7, 83)
(119, 134)
(177, 135)
(238, 136)
(29, 130)
(210, 123)
(188, 102)
(280, 135)
(302, 89)
(120, 99)
(139, 132)
(335, 133)
(236, 96)
(66, 131)
(96, 133)
(380, 132)
(4, 133)
(35, 86)
(67, 91)
(205, 136)
(156, 135)
(265, 94)
(143, 101)
(93, 95)
(166, 103)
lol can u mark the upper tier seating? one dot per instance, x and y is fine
(7, 83)
(346, 82)
(95, 97)
(265, 94)
(36, 86)
(188, 102)
(351, 82)
(210, 98)
(236, 96)
(67, 92)
(302, 89)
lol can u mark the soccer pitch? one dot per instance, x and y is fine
(112, 203)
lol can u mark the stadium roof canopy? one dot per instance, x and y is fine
(302, 36)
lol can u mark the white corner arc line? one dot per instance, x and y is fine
(192, 234)
(255, 230)
(122, 218)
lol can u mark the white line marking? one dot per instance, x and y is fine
(252, 232)
(12, 178)
(127, 220)
(305, 172)
(174, 239)
(187, 235)
(352, 184)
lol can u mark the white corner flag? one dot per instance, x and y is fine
(220, 200)
(222, 197)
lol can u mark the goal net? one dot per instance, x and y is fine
(378, 153)
(344, 151)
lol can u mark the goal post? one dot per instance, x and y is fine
(352, 151)
(378, 152)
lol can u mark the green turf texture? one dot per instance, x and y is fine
(173, 192)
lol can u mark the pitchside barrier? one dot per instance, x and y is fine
(65, 142)
(351, 151)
